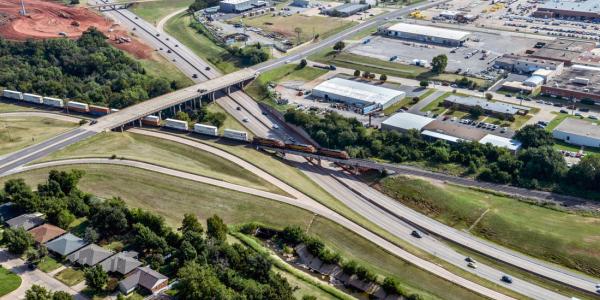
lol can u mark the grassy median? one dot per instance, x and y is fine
(19, 132)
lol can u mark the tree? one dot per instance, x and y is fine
(216, 228)
(534, 136)
(476, 111)
(91, 235)
(298, 31)
(183, 116)
(543, 163)
(439, 63)
(302, 64)
(17, 240)
(356, 73)
(95, 277)
(424, 83)
(489, 96)
(292, 235)
(37, 292)
(60, 295)
(147, 240)
(586, 173)
(200, 282)
(190, 223)
(339, 46)
(383, 77)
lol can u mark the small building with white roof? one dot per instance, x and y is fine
(357, 93)
(428, 34)
(499, 141)
(404, 122)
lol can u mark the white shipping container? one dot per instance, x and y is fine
(112, 110)
(53, 102)
(205, 129)
(77, 105)
(235, 134)
(12, 94)
(32, 98)
(152, 118)
(176, 124)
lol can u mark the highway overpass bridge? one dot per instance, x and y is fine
(174, 101)
(117, 5)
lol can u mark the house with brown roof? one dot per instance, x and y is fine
(146, 278)
(46, 232)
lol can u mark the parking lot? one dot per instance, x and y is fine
(474, 58)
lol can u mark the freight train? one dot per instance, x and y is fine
(274, 143)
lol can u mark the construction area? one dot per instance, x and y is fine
(44, 19)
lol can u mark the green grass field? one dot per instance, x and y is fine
(435, 106)
(378, 66)
(48, 264)
(165, 153)
(172, 197)
(309, 25)
(560, 237)
(19, 132)
(70, 276)
(9, 281)
(155, 11)
(158, 66)
(9, 107)
(179, 27)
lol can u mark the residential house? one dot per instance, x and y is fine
(146, 278)
(89, 255)
(66, 244)
(122, 262)
(45, 233)
(26, 221)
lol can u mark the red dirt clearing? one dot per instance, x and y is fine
(53, 20)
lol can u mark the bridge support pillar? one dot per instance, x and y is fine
(140, 122)
(319, 161)
(173, 110)
(160, 114)
(122, 128)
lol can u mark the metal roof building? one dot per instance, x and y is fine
(346, 10)
(578, 132)
(405, 121)
(583, 9)
(427, 34)
(488, 106)
(499, 141)
(356, 93)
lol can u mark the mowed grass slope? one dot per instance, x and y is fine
(560, 237)
(19, 132)
(9, 281)
(155, 11)
(165, 153)
(172, 197)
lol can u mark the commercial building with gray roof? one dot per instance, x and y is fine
(26, 221)
(581, 9)
(428, 34)
(578, 132)
(404, 122)
(346, 10)
(66, 244)
(493, 108)
(359, 94)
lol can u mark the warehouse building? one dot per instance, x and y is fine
(404, 122)
(563, 50)
(566, 9)
(527, 65)
(578, 83)
(237, 6)
(346, 10)
(578, 132)
(301, 3)
(491, 108)
(363, 95)
(426, 34)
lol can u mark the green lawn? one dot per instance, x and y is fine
(309, 25)
(179, 28)
(154, 11)
(406, 102)
(568, 239)
(378, 66)
(172, 197)
(158, 66)
(70, 276)
(48, 264)
(9, 281)
(165, 153)
(558, 119)
(435, 106)
(19, 132)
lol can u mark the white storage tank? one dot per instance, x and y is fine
(235, 134)
(176, 124)
(32, 98)
(55, 102)
(12, 94)
(205, 129)
(78, 106)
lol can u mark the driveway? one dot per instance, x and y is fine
(31, 277)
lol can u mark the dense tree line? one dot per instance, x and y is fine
(88, 70)
(537, 165)
(208, 267)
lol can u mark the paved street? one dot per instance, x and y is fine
(31, 277)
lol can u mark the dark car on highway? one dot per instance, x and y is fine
(416, 234)
(506, 279)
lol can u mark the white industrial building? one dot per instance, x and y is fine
(426, 34)
(404, 122)
(237, 6)
(500, 141)
(578, 132)
(359, 94)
